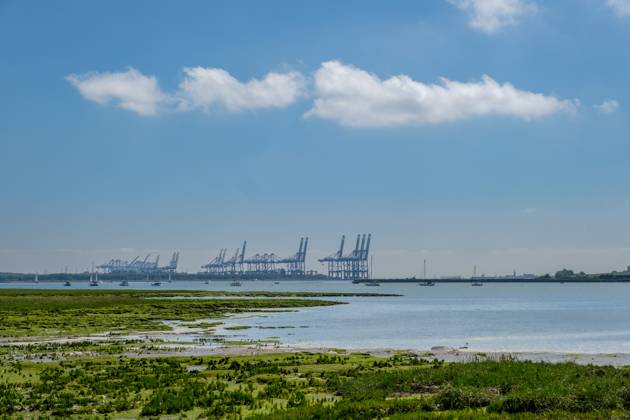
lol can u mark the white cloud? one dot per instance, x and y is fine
(201, 88)
(491, 15)
(357, 98)
(621, 7)
(607, 107)
(130, 90)
(207, 87)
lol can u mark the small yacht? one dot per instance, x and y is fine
(67, 283)
(94, 280)
(124, 283)
(276, 282)
(427, 283)
(207, 282)
(236, 283)
(475, 279)
(372, 283)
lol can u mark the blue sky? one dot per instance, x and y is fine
(130, 127)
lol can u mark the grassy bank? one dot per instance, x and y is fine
(71, 312)
(305, 385)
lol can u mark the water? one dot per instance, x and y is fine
(565, 318)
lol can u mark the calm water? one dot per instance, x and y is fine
(573, 318)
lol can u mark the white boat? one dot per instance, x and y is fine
(94, 280)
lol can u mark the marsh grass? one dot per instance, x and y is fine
(311, 386)
(75, 312)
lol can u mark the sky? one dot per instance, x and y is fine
(487, 132)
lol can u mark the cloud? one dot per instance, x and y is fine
(607, 107)
(202, 88)
(491, 15)
(130, 90)
(208, 87)
(357, 98)
(621, 7)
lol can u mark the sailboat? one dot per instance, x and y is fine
(475, 279)
(426, 281)
(94, 280)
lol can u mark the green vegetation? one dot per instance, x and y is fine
(89, 379)
(310, 386)
(71, 312)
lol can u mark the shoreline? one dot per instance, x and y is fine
(441, 353)
(445, 354)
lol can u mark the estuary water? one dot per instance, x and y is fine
(563, 318)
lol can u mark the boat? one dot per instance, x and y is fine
(372, 283)
(475, 279)
(67, 283)
(169, 277)
(207, 282)
(36, 278)
(156, 283)
(94, 281)
(124, 283)
(235, 283)
(427, 283)
(276, 282)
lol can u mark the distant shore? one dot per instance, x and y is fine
(586, 279)
(614, 277)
